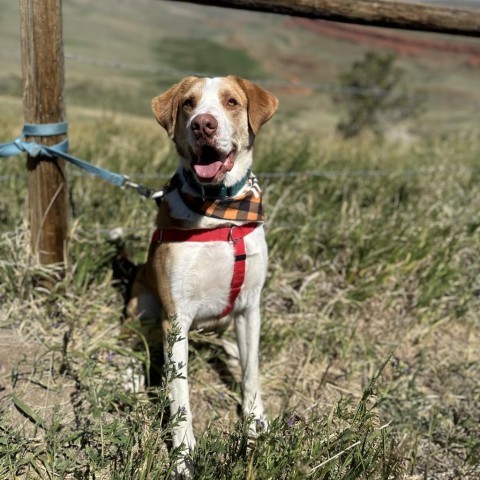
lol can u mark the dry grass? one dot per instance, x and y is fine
(372, 277)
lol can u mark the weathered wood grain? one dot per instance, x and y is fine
(43, 102)
(381, 13)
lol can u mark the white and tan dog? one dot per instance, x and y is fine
(188, 280)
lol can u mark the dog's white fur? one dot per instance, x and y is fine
(190, 282)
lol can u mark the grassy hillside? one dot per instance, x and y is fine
(121, 53)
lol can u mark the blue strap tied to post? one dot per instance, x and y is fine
(34, 149)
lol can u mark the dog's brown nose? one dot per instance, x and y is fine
(204, 125)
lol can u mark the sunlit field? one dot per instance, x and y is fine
(370, 334)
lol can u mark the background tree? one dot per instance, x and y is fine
(374, 95)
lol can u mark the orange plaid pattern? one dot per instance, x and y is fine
(246, 207)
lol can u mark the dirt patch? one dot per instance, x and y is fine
(402, 44)
(30, 392)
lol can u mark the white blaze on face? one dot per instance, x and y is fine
(211, 103)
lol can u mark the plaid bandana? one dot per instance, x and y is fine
(246, 207)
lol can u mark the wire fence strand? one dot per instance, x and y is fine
(304, 173)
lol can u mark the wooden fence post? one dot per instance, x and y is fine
(43, 102)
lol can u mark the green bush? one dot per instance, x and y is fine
(374, 95)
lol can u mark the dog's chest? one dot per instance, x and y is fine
(199, 275)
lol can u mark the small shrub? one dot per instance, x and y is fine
(374, 95)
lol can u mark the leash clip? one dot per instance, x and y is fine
(140, 189)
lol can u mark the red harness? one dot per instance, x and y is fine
(234, 235)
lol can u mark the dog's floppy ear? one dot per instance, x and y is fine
(261, 104)
(165, 106)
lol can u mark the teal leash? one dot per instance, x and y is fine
(34, 149)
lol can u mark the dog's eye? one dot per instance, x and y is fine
(232, 102)
(188, 103)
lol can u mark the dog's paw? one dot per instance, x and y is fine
(261, 424)
(256, 425)
(133, 380)
(183, 469)
(116, 235)
(183, 463)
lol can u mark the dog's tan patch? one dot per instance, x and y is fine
(166, 106)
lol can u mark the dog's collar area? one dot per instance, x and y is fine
(232, 234)
(218, 192)
(245, 207)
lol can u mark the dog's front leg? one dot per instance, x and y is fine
(176, 351)
(247, 327)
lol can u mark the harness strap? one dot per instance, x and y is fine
(234, 235)
(239, 267)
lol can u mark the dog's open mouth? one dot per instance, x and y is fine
(210, 164)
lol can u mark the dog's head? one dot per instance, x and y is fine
(214, 122)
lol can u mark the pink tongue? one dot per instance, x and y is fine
(208, 171)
